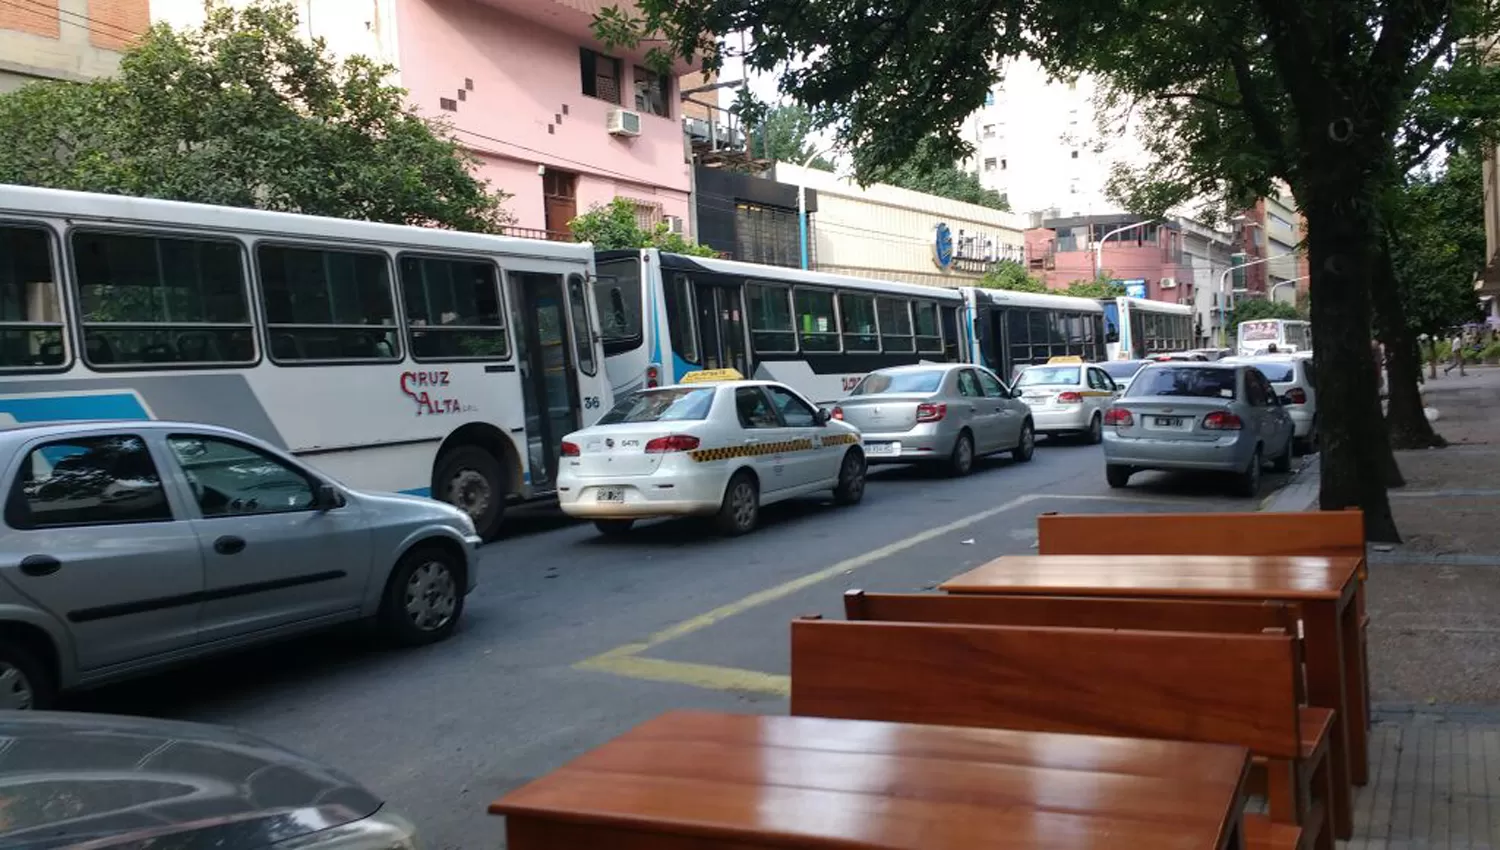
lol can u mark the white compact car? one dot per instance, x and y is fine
(715, 445)
(1293, 377)
(1067, 396)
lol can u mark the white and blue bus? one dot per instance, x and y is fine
(394, 358)
(1136, 328)
(1015, 329)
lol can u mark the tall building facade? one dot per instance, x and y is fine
(558, 121)
(66, 39)
(1488, 284)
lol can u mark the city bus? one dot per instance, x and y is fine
(665, 315)
(1136, 328)
(1288, 335)
(393, 358)
(1016, 329)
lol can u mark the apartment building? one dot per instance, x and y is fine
(557, 120)
(1488, 284)
(66, 39)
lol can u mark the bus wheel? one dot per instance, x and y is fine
(471, 479)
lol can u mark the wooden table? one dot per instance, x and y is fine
(1323, 588)
(698, 780)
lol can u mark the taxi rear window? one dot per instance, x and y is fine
(675, 404)
(1038, 375)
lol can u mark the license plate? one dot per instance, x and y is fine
(1166, 421)
(609, 494)
(883, 449)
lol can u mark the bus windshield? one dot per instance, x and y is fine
(1258, 331)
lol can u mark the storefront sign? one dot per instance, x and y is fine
(971, 251)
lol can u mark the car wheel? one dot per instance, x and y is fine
(1283, 462)
(1026, 448)
(1095, 433)
(961, 459)
(1117, 476)
(740, 510)
(851, 487)
(25, 683)
(473, 480)
(1248, 483)
(614, 527)
(424, 596)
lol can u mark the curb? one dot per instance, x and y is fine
(1299, 494)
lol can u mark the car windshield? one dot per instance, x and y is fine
(1276, 373)
(1183, 381)
(880, 383)
(674, 404)
(1123, 368)
(1043, 375)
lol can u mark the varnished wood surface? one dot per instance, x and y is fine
(1186, 686)
(1288, 578)
(1328, 533)
(694, 780)
(1177, 615)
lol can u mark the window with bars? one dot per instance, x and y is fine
(601, 75)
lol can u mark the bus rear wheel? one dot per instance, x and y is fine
(473, 480)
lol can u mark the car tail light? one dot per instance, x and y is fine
(1296, 396)
(1119, 417)
(1070, 398)
(838, 413)
(931, 412)
(653, 376)
(672, 443)
(569, 449)
(1221, 420)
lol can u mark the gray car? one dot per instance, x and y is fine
(1198, 416)
(938, 413)
(1122, 372)
(127, 546)
(102, 782)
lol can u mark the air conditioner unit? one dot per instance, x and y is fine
(1169, 283)
(674, 224)
(623, 122)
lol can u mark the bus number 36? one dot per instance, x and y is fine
(590, 402)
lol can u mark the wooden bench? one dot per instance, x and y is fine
(1185, 686)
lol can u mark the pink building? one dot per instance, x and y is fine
(1147, 259)
(527, 87)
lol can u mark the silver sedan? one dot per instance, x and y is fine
(945, 414)
(1198, 416)
(128, 546)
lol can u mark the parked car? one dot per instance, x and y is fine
(944, 414)
(1293, 377)
(1067, 396)
(128, 546)
(1122, 372)
(124, 783)
(715, 445)
(1198, 416)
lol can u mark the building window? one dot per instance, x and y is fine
(1075, 154)
(601, 75)
(647, 213)
(1002, 165)
(651, 90)
(989, 131)
(769, 235)
(989, 164)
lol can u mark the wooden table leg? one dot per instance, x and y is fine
(1351, 628)
(1323, 652)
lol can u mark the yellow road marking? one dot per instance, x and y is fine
(627, 660)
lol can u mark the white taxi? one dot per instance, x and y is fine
(1067, 396)
(714, 445)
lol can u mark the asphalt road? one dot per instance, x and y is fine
(570, 638)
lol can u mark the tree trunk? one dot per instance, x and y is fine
(1405, 418)
(1355, 447)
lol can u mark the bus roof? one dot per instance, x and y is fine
(1148, 305)
(89, 206)
(781, 274)
(1010, 298)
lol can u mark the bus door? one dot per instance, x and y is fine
(549, 382)
(722, 342)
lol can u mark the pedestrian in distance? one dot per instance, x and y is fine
(1458, 355)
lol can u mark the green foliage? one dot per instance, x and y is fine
(613, 226)
(1008, 274)
(782, 134)
(1437, 242)
(243, 112)
(1249, 309)
(933, 171)
(1102, 286)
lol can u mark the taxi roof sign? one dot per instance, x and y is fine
(1070, 359)
(703, 376)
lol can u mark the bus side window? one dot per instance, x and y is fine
(951, 337)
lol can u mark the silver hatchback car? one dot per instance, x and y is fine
(1198, 416)
(943, 413)
(127, 546)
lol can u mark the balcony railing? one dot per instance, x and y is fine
(538, 233)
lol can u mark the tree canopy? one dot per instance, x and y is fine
(614, 225)
(1438, 243)
(244, 112)
(932, 170)
(784, 134)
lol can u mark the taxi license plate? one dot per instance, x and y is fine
(883, 449)
(609, 494)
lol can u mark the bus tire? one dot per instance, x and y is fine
(473, 480)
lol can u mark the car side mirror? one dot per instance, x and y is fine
(823, 416)
(1015, 392)
(326, 497)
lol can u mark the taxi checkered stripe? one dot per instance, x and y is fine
(760, 449)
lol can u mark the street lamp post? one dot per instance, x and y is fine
(1099, 246)
(1224, 305)
(1293, 282)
